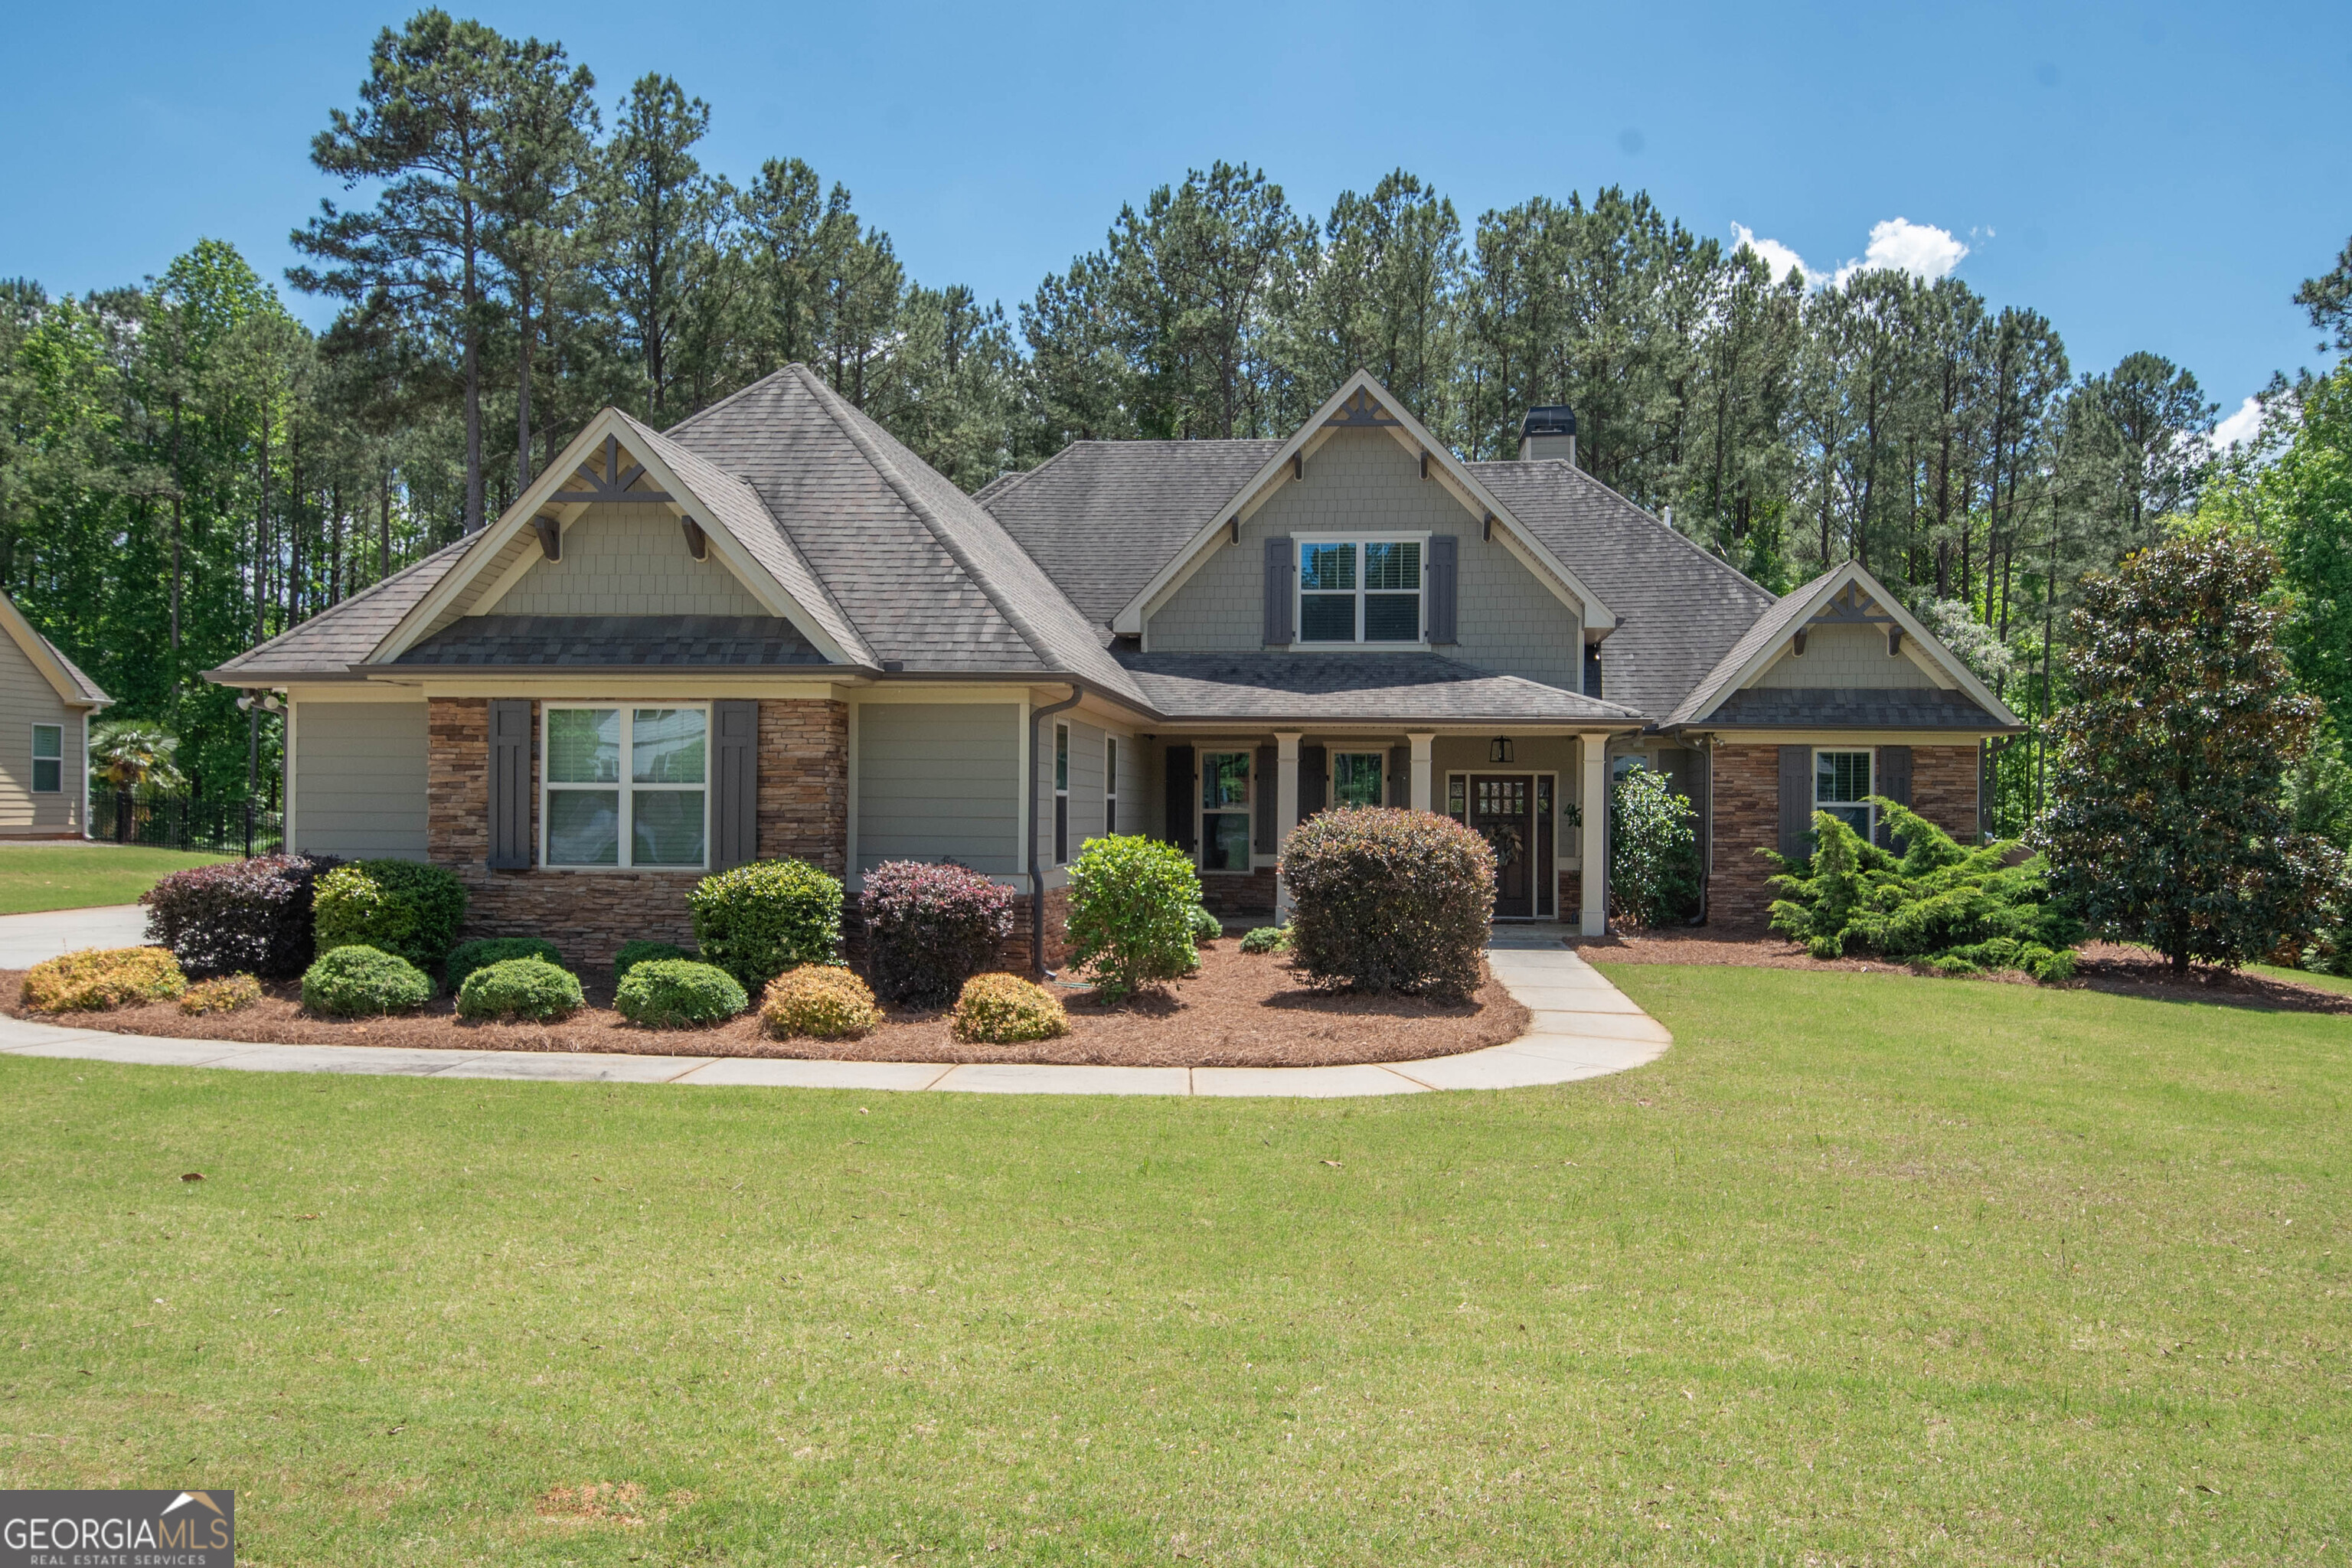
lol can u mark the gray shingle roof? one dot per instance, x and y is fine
(1322, 689)
(1770, 627)
(1678, 608)
(86, 689)
(1851, 708)
(617, 641)
(330, 642)
(1146, 498)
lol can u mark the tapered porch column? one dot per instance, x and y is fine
(1592, 800)
(1285, 811)
(1420, 744)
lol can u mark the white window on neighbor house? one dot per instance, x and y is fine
(1061, 794)
(1355, 778)
(626, 787)
(1225, 810)
(48, 759)
(1841, 781)
(1110, 785)
(1359, 591)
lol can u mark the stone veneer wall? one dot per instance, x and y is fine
(1748, 818)
(804, 813)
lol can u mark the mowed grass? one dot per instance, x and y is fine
(84, 876)
(1867, 1270)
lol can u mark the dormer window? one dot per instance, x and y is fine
(1360, 590)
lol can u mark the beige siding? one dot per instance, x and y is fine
(938, 778)
(627, 561)
(1362, 480)
(1848, 656)
(358, 779)
(27, 698)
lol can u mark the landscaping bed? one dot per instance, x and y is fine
(1241, 1010)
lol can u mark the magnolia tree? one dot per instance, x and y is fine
(2168, 824)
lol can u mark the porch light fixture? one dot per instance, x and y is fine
(1499, 751)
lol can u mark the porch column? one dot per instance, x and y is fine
(1285, 811)
(1592, 800)
(1420, 744)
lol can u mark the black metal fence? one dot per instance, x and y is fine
(186, 822)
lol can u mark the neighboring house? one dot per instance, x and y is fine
(45, 709)
(772, 630)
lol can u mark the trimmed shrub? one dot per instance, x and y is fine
(1206, 927)
(1131, 905)
(529, 989)
(98, 978)
(1959, 910)
(758, 920)
(401, 907)
(1652, 851)
(358, 982)
(481, 954)
(1004, 1009)
(241, 915)
(1383, 899)
(819, 1000)
(1267, 939)
(678, 994)
(226, 994)
(931, 927)
(633, 954)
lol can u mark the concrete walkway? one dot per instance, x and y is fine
(1583, 1028)
(28, 939)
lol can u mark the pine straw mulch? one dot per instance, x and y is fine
(2111, 967)
(1241, 1010)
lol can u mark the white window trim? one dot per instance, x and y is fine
(1817, 803)
(32, 781)
(1201, 812)
(1110, 785)
(626, 708)
(1298, 592)
(1061, 794)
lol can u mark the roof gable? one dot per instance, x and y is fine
(63, 674)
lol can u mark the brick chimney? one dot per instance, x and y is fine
(1548, 432)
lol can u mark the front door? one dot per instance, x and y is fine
(1502, 813)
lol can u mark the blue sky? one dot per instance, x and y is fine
(2153, 177)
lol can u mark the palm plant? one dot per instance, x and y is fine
(133, 753)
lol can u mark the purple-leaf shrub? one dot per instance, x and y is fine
(931, 927)
(241, 916)
(1389, 901)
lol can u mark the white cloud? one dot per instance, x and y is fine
(2242, 425)
(1898, 245)
(1774, 255)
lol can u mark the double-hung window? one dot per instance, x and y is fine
(1061, 794)
(1355, 778)
(1841, 781)
(627, 788)
(1110, 785)
(48, 759)
(1225, 811)
(1359, 591)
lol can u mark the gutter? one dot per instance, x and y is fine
(1037, 876)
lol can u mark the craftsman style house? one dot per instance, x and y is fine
(771, 630)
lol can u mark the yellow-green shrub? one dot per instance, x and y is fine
(225, 995)
(821, 1001)
(1003, 1009)
(99, 977)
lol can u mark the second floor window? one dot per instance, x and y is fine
(1359, 591)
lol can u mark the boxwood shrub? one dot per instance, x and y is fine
(1383, 899)
(931, 927)
(358, 982)
(758, 920)
(1206, 927)
(678, 994)
(241, 915)
(1266, 938)
(402, 907)
(1004, 1009)
(531, 989)
(1131, 905)
(98, 978)
(633, 954)
(481, 952)
(818, 1000)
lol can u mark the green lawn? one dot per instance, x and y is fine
(1869, 1268)
(81, 876)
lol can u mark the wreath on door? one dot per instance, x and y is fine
(1507, 842)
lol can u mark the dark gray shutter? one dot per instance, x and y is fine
(734, 784)
(1399, 780)
(509, 783)
(1893, 781)
(1180, 798)
(1796, 800)
(1314, 768)
(1281, 569)
(1269, 832)
(1440, 611)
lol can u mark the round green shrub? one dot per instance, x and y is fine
(1206, 927)
(531, 989)
(758, 920)
(356, 982)
(1131, 905)
(678, 994)
(469, 956)
(403, 907)
(1267, 939)
(1004, 1009)
(633, 954)
(1389, 901)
